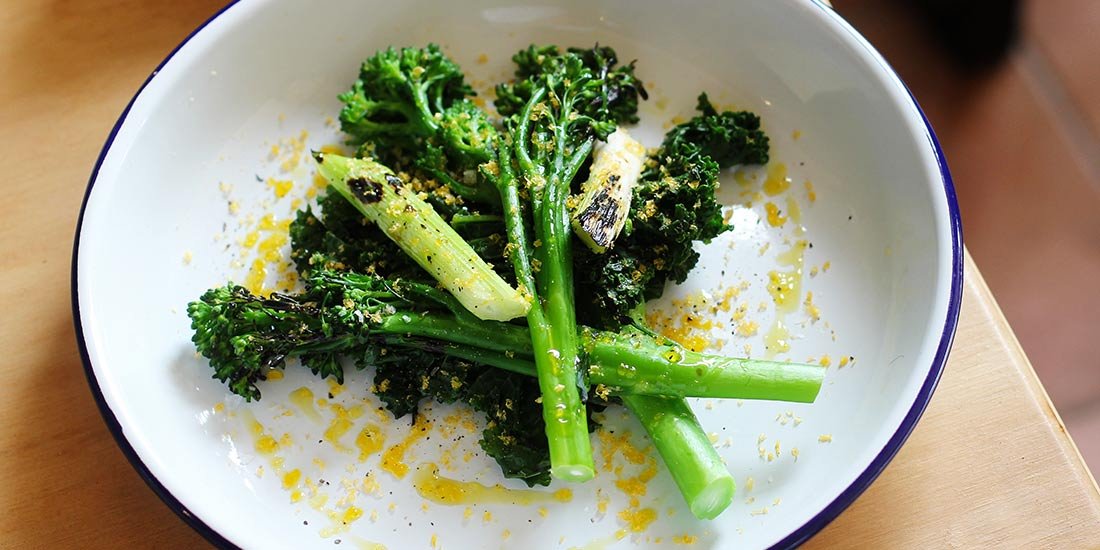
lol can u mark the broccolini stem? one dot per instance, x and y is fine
(426, 119)
(460, 220)
(577, 158)
(646, 366)
(523, 132)
(687, 452)
(671, 371)
(487, 336)
(563, 411)
(423, 234)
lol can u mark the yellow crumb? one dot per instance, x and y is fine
(825, 438)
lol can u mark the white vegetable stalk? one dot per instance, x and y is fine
(426, 237)
(604, 202)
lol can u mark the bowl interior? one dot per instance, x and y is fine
(183, 183)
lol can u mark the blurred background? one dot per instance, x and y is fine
(1013, 91)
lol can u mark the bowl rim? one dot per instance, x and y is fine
(796, 537)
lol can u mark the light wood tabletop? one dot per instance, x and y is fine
(989, 465)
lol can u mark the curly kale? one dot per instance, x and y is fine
(514, 434)
(729, 137)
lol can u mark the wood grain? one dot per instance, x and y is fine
(990, 464)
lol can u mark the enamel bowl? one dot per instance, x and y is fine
(205, 165)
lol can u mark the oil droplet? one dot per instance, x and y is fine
(774, 216)
(776, 180)
(794, 211)
(785, 288)
(778, 339)
(369, 441)
(257, 274)
(336, 429)
(441, 490)
(303, 399)
(292, 478)
(262, 441)
(743, 177)
(793, 257)
(364, 544)
(351, 514)
(393, 460)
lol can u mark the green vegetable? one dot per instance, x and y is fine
(384, 199)
(453, 141)
(687, 452)
(398, 94)
(410, 108)
(559, 105)
(729, 137)
(674, 205)
(245, 335)
(424, 344)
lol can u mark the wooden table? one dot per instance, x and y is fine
(989, 465)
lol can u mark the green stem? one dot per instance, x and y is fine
(487, 336)
(580, 154)
(562, 405)
(639, 364)
(460, 220)
(635, 364)
(523, 133)
(553, 338)
(427, 120)
(687, 452)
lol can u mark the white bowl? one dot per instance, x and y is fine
(885, 218)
